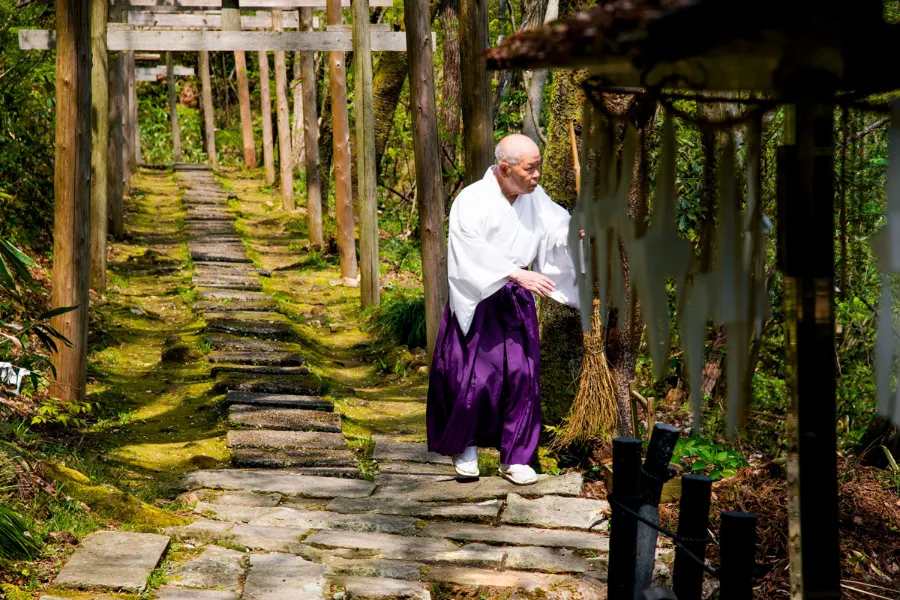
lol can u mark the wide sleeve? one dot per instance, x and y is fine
(554, 259)
(475, 268)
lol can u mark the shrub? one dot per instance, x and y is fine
(401, 320)
(16, 541)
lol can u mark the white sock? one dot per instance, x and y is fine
(469, 454)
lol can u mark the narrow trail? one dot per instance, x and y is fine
(295, 516)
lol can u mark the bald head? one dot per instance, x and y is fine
(515, 148)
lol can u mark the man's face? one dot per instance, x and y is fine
(524, 177)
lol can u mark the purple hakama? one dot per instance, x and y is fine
(484, 387)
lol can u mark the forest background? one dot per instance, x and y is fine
(27, 81)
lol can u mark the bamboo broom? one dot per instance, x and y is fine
(594, 410)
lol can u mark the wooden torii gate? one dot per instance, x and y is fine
(72, 219)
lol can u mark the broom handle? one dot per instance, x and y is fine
(575, 157)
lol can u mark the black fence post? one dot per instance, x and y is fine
(693, 522)
(653, 476)
(623, 526)
(737, 544)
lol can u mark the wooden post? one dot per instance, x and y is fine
(478, 130)
(308, 90)
(99, 143)
(367, 194)
(131, 131)
(622, 524)
(284, 121)
(173, 107)
(127, 148)
(737, 535)
(72, 196)
(115, 180)
(297, 144)
(231, 21)
(209, 123)
(429, 186)
(265, 100)
(693, 522)
(343, 194)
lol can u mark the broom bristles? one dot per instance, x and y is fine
(594, 411)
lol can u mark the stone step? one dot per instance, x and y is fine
(288, 484)
(268, 384)
(376, 588)
(216, 268)
(374, 567)
(284, 577)
(253, 458)
(484, 488)
(258, 370)
(113, 560)
(488, 510)
(224, 275)
(208, 306)
(243, 286)
(389, 450)
(390, 473)
(555, 512)
(254, 328)
(309, 519)
(217, 568)
(280, 401)
(269, 539)
(225, 253)
(267, 439)
(167, 592)
(383, 545)
(524, 558)
(276, 359)
(226, 342)
(292, 419)
(201, 238)
(519, 536)
(505, 579)
(210, 228)
(233, 295)
(344, 472)
(234, 498)
(253, 317)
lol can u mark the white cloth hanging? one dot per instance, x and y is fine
(490, 238)
(13, 376)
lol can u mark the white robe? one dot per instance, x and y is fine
(491, 238)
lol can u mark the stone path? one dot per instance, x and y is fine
(294, 519)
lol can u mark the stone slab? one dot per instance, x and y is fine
(345, 472)
(210, 227)
(297, 518)
(244, 498)
(387, 450)
(253, 317)
(240, 284)
(480, 510)
(114, 560)
(293, 419)
(518, 536)
(270, 539)
(268, 384)
(285, 440)
(413, 468)
(254, 458)
(217, 568)
(484, 488)
(242, 326)
(208, 306)
(284, 577)
(232, 295)
(373, 567)
(207, 268)
(383, 545)
(289, 484)
(275, 359)
(280, 401)
(555, 511)
(223, 342)
(258, 370)
(237, 513)
(218, 253)
(524, 558)
(505, 579)
(175, 593)
(383, 589)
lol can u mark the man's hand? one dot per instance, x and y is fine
(533, 282)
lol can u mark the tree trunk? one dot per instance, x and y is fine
(284, 121)
(99, 143)
(532, 123)
(309, 88)
(370, 286)
(231, 21)
(429, 187)
(450, 96)
(72, 196)
(208, 115)
(129, 121)
(265, 100)
(173, 107)
(343, 194)
(387, 87)
(478, 130)
(297, 145)
(115, 190)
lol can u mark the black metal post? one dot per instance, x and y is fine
(693, 522)
(806, 257)
(653, 477)
(737, 545)
(623, 526)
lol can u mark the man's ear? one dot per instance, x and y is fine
(504, 169)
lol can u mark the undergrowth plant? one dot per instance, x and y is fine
(706, 457)
(16, 540)
(401, 320)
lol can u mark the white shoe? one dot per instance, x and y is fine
(467, 463)
(518, 474)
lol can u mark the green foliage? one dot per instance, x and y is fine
(52, 411)
(401, 319)
(156, 127)
(16, 538)
(707, 457)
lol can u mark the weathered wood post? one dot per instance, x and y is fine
(99, 143)
(367, 193)
(478, 129)
(623, 525)
(173, 107)
(737, 546)
(311, 147)
(265, 100)
(72, 196)
(426, 145)
(231, 21)
(115, 189)
(806, 258)
(343, 194)
(653, 476)
(209, 123)
(693, 522)
(131, 128)
(284, 120)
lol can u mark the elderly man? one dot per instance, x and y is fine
(485, 376)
